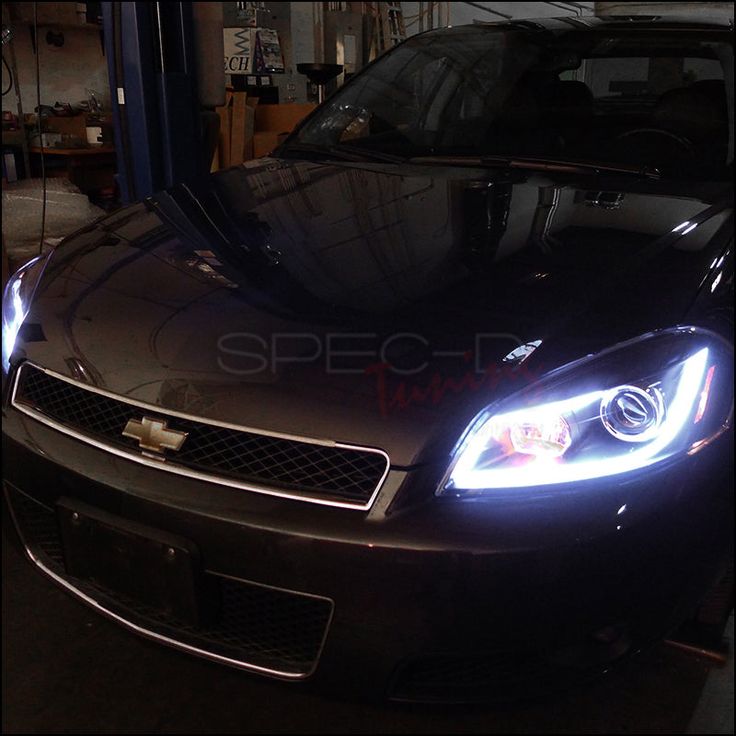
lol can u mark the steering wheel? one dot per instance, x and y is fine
(664, 150)
(671, 137)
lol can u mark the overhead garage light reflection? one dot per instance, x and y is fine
(685, 227)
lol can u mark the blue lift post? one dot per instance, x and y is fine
(153, 82)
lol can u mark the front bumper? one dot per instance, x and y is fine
(444, 599)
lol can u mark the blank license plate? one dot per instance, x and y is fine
(141, 563)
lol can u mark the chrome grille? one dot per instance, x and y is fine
(328, 473)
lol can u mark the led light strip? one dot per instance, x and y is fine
(543, 471)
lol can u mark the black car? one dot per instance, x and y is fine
(435, 402)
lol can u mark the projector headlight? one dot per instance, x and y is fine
(16, 302)
(640, 403)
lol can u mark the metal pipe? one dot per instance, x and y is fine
(209, 49)
(319, 32)
(578, 9)
(159, 30)
(580, 6)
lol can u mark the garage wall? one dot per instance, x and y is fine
(461, 13)
(700, 10)
(66, 72)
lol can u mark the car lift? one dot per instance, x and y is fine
(166, 78)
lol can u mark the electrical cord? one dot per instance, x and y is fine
(38, 126)
(410, 20)
(489, 10)
(10, 77)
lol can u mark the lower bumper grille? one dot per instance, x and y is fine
(265, 629)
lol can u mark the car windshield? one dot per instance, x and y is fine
(661, 99)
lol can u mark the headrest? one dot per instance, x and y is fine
(689, 112)
(571, 93)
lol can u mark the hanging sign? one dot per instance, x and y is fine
(238, 45)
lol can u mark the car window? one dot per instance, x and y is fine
(645, 76)
(420, 98)
(657, 99)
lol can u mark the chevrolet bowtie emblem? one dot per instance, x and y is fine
(153, 434)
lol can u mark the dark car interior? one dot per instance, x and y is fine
(654, 102)
(684, 130)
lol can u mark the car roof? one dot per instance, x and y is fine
(616, 22)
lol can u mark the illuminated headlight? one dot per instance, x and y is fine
(630, 407)
(16, 303)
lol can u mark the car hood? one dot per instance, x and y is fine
(369, 304)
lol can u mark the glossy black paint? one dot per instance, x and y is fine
(141, 304)
(440, 256)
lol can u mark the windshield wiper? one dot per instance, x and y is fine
(344, 152)
(539, 164)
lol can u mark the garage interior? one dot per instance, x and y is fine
(99, 102)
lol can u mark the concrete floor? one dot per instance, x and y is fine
(714, 713)
(66, 669)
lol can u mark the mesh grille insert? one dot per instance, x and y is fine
(349, 475)
(278, 630)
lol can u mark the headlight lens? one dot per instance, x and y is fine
(16, 303)
(627, 408)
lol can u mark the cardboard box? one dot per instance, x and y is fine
(242, 127)
(264, 142)
(222, 155)
(249, 130)
(250, 122)
(237, 131)
(73, 129)
(281, 118)
(75, 125)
